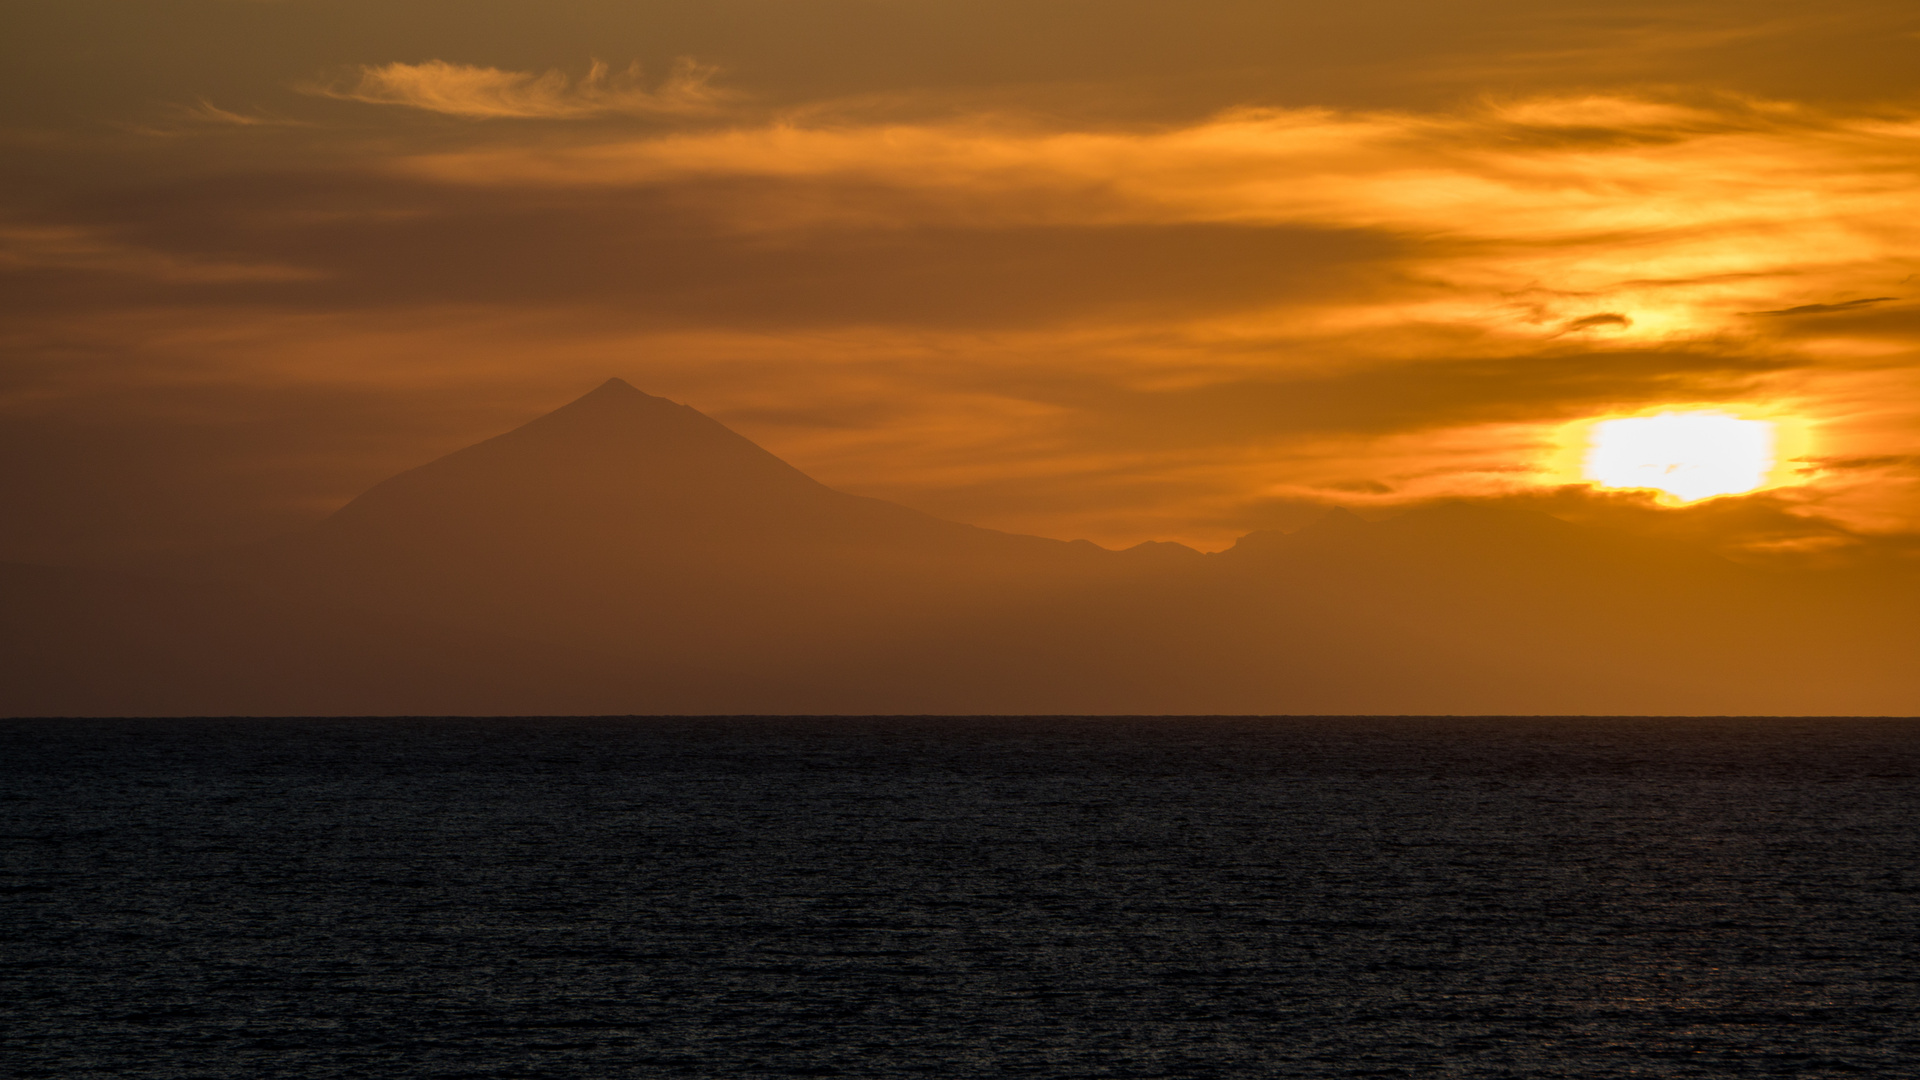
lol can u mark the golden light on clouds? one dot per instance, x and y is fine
(489, 93)
(1594, 216)
(1060, 303)
(1686, 455)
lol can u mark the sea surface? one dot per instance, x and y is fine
(1012, 897)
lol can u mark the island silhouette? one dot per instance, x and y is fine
(626, 554)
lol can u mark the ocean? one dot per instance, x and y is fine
(959, 897)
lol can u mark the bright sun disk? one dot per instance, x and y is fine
(1689, 455)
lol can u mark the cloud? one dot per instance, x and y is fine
(206, 112)
(56, 247)
(1545, 168)
(1825, 309)
(1878, 461)
(1680, 217)
(203, 116)
(1604, 320)
(491, 93)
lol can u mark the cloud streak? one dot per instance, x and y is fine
(27, 248)
(488, 93)
(1828, 309)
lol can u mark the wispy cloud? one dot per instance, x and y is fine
(491, 93)
(207, 112)
(93, 251)
(202, 115)
(1827, 309)
(1606, 320)
(1676, 217)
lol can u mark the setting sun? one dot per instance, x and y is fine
(1688, 455)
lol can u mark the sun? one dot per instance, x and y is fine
(1688, 455)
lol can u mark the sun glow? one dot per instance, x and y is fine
(1688, 455)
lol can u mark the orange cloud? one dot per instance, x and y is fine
(490, 93)
(1678, 218)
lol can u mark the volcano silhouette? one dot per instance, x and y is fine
(615, 463)
(629, 523)
(628, 554)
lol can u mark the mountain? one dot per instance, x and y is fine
(630, 524)
(629, 554)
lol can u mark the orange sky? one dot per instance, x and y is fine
(1104, 270)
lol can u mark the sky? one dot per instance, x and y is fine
(1123, 271)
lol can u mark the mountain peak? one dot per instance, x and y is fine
(613, 388)
(615, 397)
(614, 454)
(617, 419)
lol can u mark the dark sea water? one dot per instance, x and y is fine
(960, 898)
